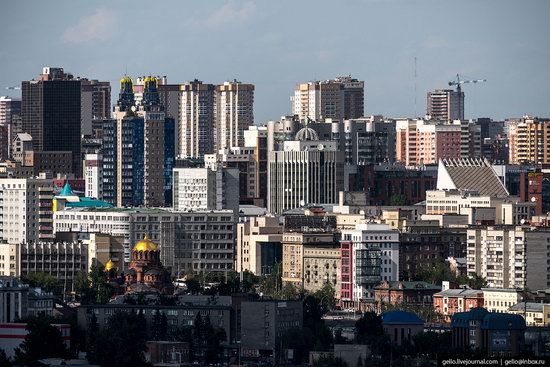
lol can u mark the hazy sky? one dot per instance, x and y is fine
(276, 44)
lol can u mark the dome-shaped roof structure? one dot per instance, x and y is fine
(145, 245)
(110, 265)
(306, 134)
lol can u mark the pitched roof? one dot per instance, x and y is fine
(470, 175)
(408, 286)
(460, 293)
(67, 191)
(531, 307)
(401, 317)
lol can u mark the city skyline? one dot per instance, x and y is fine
(273, 48)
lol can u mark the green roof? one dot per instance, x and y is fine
(410, 286)
(67, 191)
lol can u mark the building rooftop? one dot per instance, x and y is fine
(460, 293)
(531, 307)
(401, 317)
(407, 286)
(470, 175)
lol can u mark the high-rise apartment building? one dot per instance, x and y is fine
(509, 256)
(529, 141)
(96, 106)
(234, 113)
(307, 171)
(212, 188)
(339, 99)
(26, 208)
(51, 113)
(93, 176)
(144, 147)
(10, 124)
(446, 105)
(427, 141)
(197, 118)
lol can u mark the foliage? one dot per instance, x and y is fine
(93, 288)
(207, 339)
(42, 341)
(441, 272)
(399, 200)
(159, 327)
(4, 360)
(329, 360)
(121, 343)
(271, 284)
(47, 282)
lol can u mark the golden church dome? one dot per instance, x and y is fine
(110, 264)
(145, 245)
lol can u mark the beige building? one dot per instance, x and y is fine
(500, 299)
(321, 267)
(234, 113)
(509, 256)
(196, 119)
(295, 245)
(535, 314)
(340, 98)
(529, 140)
(259, 245)
(9, 255)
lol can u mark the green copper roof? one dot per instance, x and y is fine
(67, 191)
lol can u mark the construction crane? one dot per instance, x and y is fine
(13, 88)
(459, 82)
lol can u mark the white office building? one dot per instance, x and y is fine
(212, 188)
(306, 171)
(25, 210)
(370, 254)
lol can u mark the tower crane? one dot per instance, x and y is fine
(458, 82)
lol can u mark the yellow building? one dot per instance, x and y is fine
(295, 246)
(529, 140)
(535, 314)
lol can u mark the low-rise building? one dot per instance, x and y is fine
(498, 334)
(535, 314)
(410, 293)
(501, 299)
(261, 335)
(401, 326)
(450, 301)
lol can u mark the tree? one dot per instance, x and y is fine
(121, 343)
(159, 327)
(290, 292)
(329, 360)
(272, 283)
(193, 285)
(47, 282)
(42, 341)
(4, 360)
(399, 200)
(370, 331)
(93, 287)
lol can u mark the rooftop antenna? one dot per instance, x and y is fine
(415, 115)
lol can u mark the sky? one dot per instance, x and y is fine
(276, 44)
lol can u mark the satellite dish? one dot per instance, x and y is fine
(133, 108)
(533, 199)
(320, 147)
(522, 221)
(302, 203)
